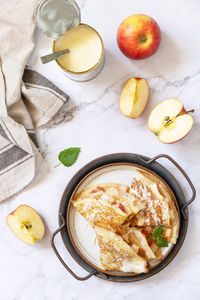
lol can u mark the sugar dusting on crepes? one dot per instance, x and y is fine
(124, 219)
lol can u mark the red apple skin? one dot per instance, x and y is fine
(133, 30)
(184, 111)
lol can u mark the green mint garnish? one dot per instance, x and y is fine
(160, 242)
(157, 237)
(68, 156)
(158, 231)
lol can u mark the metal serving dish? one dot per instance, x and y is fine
(131, 159)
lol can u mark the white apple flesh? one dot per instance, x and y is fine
(26, 224)
(134, 97)
(169, 121)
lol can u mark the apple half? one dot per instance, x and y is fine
(26, 224)
(134, 97)
(169, 121)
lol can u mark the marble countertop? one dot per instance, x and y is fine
(92, 120)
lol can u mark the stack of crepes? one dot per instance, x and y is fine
(124, 219)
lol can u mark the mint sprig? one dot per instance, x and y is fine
(160, 242)
(157, 237)
(158, 231)
(68, 156)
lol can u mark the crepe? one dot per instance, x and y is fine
(159, 209)
(107, 205)
(117, 255)
(171, 234)
(156, 211)
(134, 237)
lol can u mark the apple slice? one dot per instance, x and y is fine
(26, 224)
(169, 121)
(134, 97)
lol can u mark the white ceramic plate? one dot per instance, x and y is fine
(82, 234)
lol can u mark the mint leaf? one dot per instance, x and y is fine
(160, 242)
(157, 236)
(68, 156)
(158, 232)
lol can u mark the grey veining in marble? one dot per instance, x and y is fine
(88, 120)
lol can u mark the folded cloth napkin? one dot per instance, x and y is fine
(27, 99)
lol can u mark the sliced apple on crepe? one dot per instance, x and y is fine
(134, 97)
(26, 224)
(169, 121)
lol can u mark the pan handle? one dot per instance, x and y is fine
(60, 258)
(184, 174)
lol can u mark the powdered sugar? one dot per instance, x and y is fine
(152, 205)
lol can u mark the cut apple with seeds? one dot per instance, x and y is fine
(26, 224)
(169, 121)
(134, 97)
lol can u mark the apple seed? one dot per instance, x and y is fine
(28, 226)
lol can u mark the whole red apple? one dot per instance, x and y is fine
(138, 36)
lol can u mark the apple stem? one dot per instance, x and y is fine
(143, 39)
(190, 111)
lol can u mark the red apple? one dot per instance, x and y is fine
(138, 36)
(169, 121)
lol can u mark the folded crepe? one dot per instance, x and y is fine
(171, 234)
(160, 207)
(135, 237)
(107, 205)
(156, 211)
(116, 254)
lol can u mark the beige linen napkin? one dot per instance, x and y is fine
(27, 99)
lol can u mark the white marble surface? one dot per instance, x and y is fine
(92, 120)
